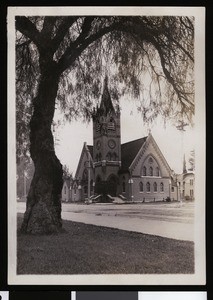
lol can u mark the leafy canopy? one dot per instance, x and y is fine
(149, 58)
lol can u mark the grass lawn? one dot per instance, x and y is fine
(89, 249)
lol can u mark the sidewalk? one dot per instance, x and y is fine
(174, 230)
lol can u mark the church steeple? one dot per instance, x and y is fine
(106, 105)
(106, 142)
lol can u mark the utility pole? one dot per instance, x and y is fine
(88, 154)
(181, 127)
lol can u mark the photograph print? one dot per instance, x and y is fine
(106, 147)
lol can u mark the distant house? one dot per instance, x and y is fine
(135, 171)
(187, 183)
(66, 193)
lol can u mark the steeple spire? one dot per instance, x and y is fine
(106, 105)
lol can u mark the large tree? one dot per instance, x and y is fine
(61, 60)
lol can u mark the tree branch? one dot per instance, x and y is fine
(48, 25)
(170, 79)
(27, 28)
(73, 52)
(62, 31)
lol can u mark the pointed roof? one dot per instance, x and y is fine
(129, 151)
(106, 105)
(83, 151)
(90, 149)
(68, 182)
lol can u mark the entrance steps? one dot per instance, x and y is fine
(118, 200)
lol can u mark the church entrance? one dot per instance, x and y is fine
(112, 183)
(108, 187)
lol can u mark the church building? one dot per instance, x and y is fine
(109, 171)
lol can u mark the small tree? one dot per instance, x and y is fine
(62, 59)
(66, 172)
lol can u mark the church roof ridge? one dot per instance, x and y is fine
(145, 137)
(129, 151)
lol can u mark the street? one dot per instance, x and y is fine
(172, 220)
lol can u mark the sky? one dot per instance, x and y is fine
(172, 142)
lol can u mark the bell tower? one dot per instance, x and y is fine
(106, 144)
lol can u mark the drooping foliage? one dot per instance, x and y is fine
(149, 58)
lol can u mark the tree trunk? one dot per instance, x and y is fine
(43, 211)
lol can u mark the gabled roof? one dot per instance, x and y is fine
(129, 151)
(84, 150)
(90, 150)
(68, 182)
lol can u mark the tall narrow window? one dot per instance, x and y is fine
(155, 186)
(144, 171)
(150, 171)
(114, 156)
(109, 156)
(141, 186)
(157, 172)
(162, 187)
(65, 190)
(148, 187)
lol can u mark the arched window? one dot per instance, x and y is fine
(184, 184)
(150, 171)
(157, 172)
(109, 156)
(148, 187)
(111, 124)
(65, 190)
(144, 171)
(141, 186)
(155, 186)
(85, 174)
(150, 160)
(114, 156)
(161, 187)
